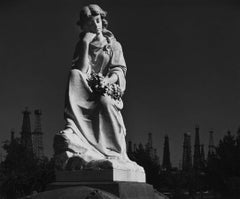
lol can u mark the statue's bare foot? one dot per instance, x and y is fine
(99, 164)
(75, 163)
(61, 160)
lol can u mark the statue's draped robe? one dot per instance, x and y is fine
(94, 127)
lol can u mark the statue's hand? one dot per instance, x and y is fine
(104, 81)
(88, 37)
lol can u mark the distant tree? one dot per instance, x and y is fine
(227, 155)
(223, 170)
(143, 157)
(23, 172)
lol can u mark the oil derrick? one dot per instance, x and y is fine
(238, 137)
(149, 143)
(166, 164)
(37, 135)
(12, 136)
(130, 151)
(187, 154)
(202, 156)
(149, 146)
(156, 158)
(211, 147)
(134, 147)
(197, 151)
(26, 136)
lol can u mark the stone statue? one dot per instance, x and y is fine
(94, 135)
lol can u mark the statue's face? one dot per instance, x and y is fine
(94, 25)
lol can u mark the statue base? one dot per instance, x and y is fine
(120, 184)
(106, 175)
(118, 190)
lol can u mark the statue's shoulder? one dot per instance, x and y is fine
(115, 45)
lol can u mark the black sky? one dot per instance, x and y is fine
(182, 56)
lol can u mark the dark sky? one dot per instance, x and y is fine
(182, 57)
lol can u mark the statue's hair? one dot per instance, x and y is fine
(91, 10)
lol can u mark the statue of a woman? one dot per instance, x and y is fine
(95, 133)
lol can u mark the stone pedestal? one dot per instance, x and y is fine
(106, 175)
(117, 183)
(122, 190)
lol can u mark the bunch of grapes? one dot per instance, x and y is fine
(113, 90)
(94, 83)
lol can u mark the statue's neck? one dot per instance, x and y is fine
(100, 37)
